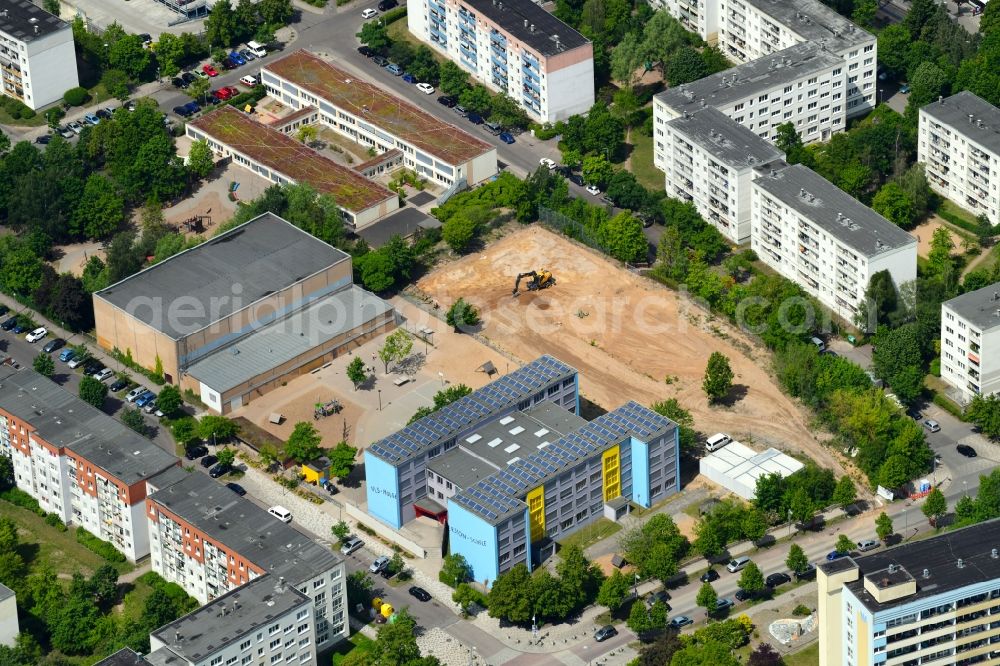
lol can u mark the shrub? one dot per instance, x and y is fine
(394, 15)
(18, 497)
(801, 611)
(53, 521)
(76, 96)
(99, 546)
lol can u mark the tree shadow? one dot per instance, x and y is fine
(736, 393)
(412, 364)
(354, 479)
(60, 377)
(28, 551)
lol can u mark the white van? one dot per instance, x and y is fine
(281, 513)
(738, 564)
(717, 441)
(256, 49)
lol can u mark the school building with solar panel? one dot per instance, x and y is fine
(513, 466)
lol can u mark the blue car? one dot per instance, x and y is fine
(192, 107)
(409, 78)
(506, 137)
(67, 355)
(20, 328)
(475, 118)
(144, 398)
(834, 555)
(237, 58)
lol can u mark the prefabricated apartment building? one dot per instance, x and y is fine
(512, 467)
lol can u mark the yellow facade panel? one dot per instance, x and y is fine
(611, 468)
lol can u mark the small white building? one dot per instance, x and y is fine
(710, 159)
(970, 342)
(959, 146)
(825, 240)
(736, 467)
(9, 628)
(37, 56)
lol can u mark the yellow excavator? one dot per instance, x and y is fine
(539, 279)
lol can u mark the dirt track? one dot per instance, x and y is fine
(625, 334)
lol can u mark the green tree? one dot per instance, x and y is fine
(452, 77)
(638, 618)
(685, 66)
(864, 13)
(764, 654)
(511, 597)
(844, 544)
(935, 506)
(201, 161)
(340, 531)
(198, 90)
(507, 112)
(623, 238)
(455, 570)
(396, 347)
(985, 413)
(104, 583)
(898, 360)
(462, 315)
(802, 506)
(597, 170)
(306, 134)
(128, 55)
(51, 6)
(845, 493)
(116, 82)
(752, 579)
(184, 430)
(465, 596)
(580, 578)
(790, 143)
(169, 400)
(614, 590)
(655, 547)
(475, 98)
(672, 409)
(396, 643)
(276, 12)
(93, 391)
(132, 417)
(356, 371)
(718, 381)
(883, 526)
(303, 444)
(100, 211)
(44, 365)
(892, 202)
(893, 45)
(226, 457)
(797, 562)
(707, 597)
(216, 428)
(754, 525)
(342, 459)
(627, 58)
(221, 28)
(459, 231)
(880, 305)
(76, 96)
(359, 588)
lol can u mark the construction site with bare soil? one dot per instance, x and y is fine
(630, 337)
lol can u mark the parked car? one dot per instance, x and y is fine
(420, 593)
(660, 596)
(737, 564)
(228, 63)
(20, 327)
(181, 111)
(237, 59)
(66, 355)
(716, 441)
(932, 425)
(220, 470)
(723, 604)
(475, 118)
(425, 88)
(593, 189)
(105, 114)
(129, 105)
(91, 119)
(118, 385)
(351, 544)
(394, 69)
(53, 344)
(247, 55)
(507, 137)
(76, 361)
(548, 163)
(200, 74)
(147, 39)
(709, 576)
(237, 488)
(144, 398)
(369, 13)
(249, 81)
(256, 49)
(9, 324)
(380, 61)
(447, 100)
(75, 126)
(37, 334)
(967, 451)
(150, 406)
(208, 461)
(680, 621)
(776, 579)
(193, 107)
(743, 595)
(209, 69)
(868, 544)
(366, 51)
(3, 309)
(226, 92)
(409, 78)
(604, 633)
(135, 393)
(178, 82)
(104, 374)
(66, 133)
(196, 451)
(904, 88)
(460, 110)
(281, 513)
(386, 5)
(835, 555)
(188, 77)
(380, 563)
(43, 139)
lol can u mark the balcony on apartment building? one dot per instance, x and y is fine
(686, 196)
(808, 279)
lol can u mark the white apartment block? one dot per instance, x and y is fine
(970, 343)
(375, 118)
(210, 541)
(263, 622)
(37, 56)
(753, 29)
(935, 601)
(9, 627)
(77, 462)
(710, 159)
(959, 146)
(513, 47)
(825, 240)
(804, 85)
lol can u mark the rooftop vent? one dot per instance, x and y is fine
(892, 568)
(960, 564)
(525, 23)
(994, 554)
(971, 117)
(532, 27)
(884, 582)
(926, 574)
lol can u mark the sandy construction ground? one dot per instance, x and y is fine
(625, 334)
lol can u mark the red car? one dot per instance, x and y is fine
(226, 92)
(208, 69)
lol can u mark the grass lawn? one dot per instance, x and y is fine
(806, 657)
(642, 162)
(6, 119)
(356, 644)
(398, 31)
(951, 208)
(592, 533)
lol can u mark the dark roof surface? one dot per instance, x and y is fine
(124, 657)
(403, 222)
(20, 18)
(980, 307)
(954, 111)
(940, 557)
(834, 211)
(262, 256)
(64, 420)
(511, 16)
(725, 139)
(245, 528)
(811, 19)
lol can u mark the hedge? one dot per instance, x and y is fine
(18, 497)
(76, 96)
(394, 15)
(99, 546)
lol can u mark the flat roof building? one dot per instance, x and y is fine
(736, 467)
(925, 601)
(211, 541)
(803, 85)
(76, 461)
(369, 114)
(710, 159)
(825, 240)
(265, 287)
(281, 159)
(959, 146)
(513, 47)
(970, 343)
(37, 55)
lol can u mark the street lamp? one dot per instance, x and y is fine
(789, 522)
(635, 585)
(965, 483)
(380, 400)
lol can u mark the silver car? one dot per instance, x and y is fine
(932, 425)
(351, 544)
